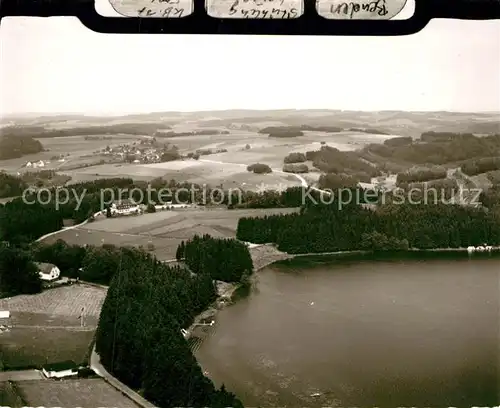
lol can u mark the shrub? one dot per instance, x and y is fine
(259, 168)
(295, 158)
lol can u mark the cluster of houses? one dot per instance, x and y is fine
(139, 154)
(42, 163)
(37, 164)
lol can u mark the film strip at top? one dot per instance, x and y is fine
(262, 9)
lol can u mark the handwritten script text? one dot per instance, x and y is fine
(351, 9)
(258, 9)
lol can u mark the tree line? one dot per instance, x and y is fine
(222, 259)
(13, 147)
(328, 228)
(40, 132)
(18, 272)
(276, 130)
(138, 337)
(11, 186)
(421, 174)
(483, 165)
(437, 149)
(331, 160)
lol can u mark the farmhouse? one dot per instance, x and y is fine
(124, 207)
(48, 272)
(60, 370)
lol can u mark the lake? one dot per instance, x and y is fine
(362, 333)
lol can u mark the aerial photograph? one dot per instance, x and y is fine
(249, 221)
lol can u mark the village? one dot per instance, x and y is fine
(146, 150)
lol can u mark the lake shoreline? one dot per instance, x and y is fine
(265, 255)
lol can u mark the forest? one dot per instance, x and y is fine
(328, 228)
(147, 304)
(139, 338)
(40, 132)
(226, 260)
(13, 147)
(420, 175)
(18, 272)
(299, 129)
(11, 186)
(22, 223)
(436, 148)
(332, 160)
(483, 165)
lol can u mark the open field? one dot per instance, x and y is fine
(76, 146)
(165, 229)
(89, 392)
(28, 347)
(65, 301)
(45, 328)
(243, 127)
(191, 171)
(263, 149)
(271, 150)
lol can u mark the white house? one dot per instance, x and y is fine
(48, 272)
(29, 164)
(60, 370)
(124, 207)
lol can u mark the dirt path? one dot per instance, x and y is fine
(66, 228)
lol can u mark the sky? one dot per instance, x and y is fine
(56, 65)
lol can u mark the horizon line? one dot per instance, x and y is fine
(121, 114)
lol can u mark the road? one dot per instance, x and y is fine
(66, 228)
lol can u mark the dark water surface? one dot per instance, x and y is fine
(386, 333)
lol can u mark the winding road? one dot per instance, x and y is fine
(66, 228)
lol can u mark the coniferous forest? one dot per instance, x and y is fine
(326, 228)
(226, 260)
(139, 338)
